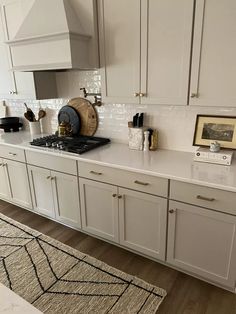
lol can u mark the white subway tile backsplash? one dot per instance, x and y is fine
(174, 123)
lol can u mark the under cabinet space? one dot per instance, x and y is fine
(220, 200)
(132, 180)
(202, 242)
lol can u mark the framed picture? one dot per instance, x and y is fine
(209, 129)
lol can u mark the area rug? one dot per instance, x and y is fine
(56, 278)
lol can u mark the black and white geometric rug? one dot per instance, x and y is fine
(56, 278)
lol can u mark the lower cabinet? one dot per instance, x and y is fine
(134, 219)
(14, 183)
(55, 195)
(202, 242)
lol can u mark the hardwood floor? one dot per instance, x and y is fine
(186, 295)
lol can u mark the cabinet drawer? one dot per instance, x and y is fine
(12, 153)
(128, 179)
(223, 201)
(56, 163)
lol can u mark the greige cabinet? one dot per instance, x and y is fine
(214, 49)
(145, 50)
(202, 242)
(143, 222)
(55, 195)
(20, 85)
(14, 183)
(133, 219)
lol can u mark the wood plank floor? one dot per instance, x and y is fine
(186, 295)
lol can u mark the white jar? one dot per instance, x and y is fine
(35, 127)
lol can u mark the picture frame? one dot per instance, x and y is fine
(211, 128)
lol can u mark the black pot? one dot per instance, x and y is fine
(9, 120)
(10, 124)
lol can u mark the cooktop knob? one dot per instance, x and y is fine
(62, 146)
(54, 144)
(48, 144)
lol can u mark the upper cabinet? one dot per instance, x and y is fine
(145, 50)
(214, 50)
(19, 85)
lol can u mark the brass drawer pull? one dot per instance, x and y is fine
(53, 178)
(95, 172)
(114, 195)
(204, 198)
(171, 211)
(141, 183)
(119, 196)
(12, 154)
(48, 177)
(136, 94)
(142, 94)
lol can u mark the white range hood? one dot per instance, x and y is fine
(52, 37)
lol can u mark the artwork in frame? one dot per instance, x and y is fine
(209, 129)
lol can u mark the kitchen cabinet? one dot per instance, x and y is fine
(20, 85)
(14, 183)
(214, 49)
(145, 50)
(55, 195)
(133, 219)
(142, 222)
(202, 242)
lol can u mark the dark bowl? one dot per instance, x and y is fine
(9, 120)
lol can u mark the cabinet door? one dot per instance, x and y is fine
(214, 50)
(4, 181)
(41, 190)
(166, 35)
(13, 13)
(66, 198)
(99, 209)
(120, 50)
(7, 83)
(202, 242)
(142, 222)
(19, 183)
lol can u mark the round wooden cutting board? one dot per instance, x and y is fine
(88, 115)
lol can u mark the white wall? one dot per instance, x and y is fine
(174, 123)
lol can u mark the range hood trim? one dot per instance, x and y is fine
(48, 37)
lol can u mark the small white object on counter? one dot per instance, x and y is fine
(35, 127)
(146, 141)
(11, 303)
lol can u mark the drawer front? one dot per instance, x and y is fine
(12, 153)
(56, 163)
(223, 201)
(128, 179)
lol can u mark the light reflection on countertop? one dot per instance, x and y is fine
(176, 165)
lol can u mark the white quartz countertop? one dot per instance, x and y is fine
(11, 303)
(169, 164)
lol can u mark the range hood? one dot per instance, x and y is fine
(54, 37)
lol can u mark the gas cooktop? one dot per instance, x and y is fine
(76, 144)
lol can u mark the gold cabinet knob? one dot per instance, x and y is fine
(194, 95)
(142, 94)
(114, 195)
(136, 94)
(171, 211)
(119, 196)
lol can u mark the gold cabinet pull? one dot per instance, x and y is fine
(171, 211)
(48, 177)
(142, 94)
(136, 94)
(52, 178)
(12, 154)
(96, 173)
(114, 195)
(119, 196)
(204, 198)
(141, 183)
(194, 95)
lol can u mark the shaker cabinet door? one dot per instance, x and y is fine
(66, 198)
(214, 50)
(202, 242)
(142, 222)
(4, 181)
(166, 35)
(120, 50)
(19, 183)
(41, 190)
(99, 209)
